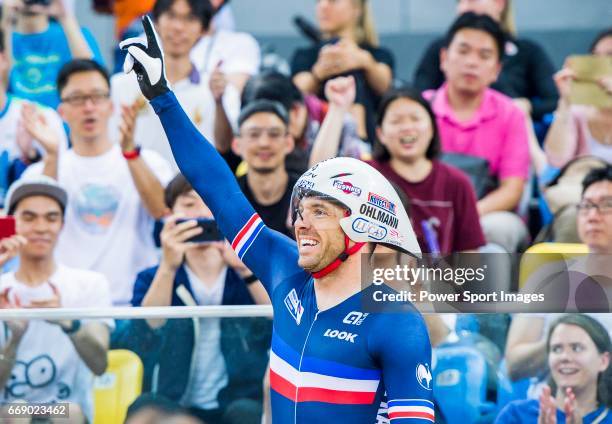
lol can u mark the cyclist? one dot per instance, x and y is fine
(332, 358)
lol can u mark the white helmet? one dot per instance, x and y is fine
(376, 211)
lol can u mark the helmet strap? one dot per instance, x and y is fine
(348, 251)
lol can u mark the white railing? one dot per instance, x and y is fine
(222, 311)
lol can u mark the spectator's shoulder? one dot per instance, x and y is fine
(503, 105)
(124, 86)
(528, 46)
(121, 78)
(237, 39)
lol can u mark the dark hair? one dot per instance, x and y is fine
(154, 401)
(202, 9)
(485, 23)
(603, 34)
(76, 66)
(596, 175)
(178, 186)
(1, 39)
(433, 150)
(265, 106)
(272, 86)
(601, 338)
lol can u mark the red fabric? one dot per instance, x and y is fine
(445, 198)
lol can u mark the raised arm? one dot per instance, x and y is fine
(341, 95)
(561, 143)
(208, 173)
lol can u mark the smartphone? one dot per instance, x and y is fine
(585, 89)
(210, 231)
(7, 227)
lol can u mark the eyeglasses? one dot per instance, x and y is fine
(604, 207)
(81, 99)
(254, 134)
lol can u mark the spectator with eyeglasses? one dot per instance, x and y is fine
(117, 190)
(595, 211)
(263, 142)
(41, 39)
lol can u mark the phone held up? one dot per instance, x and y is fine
(7, 227)
(210, 232)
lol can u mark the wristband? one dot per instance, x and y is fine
(76, 326)
(250, 279)
(132, 154)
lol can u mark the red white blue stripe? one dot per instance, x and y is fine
(411, 409)
(319, 380)
(247, 235)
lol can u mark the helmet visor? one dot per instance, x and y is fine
(300, 193)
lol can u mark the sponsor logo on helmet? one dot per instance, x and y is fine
(375, 231)
(395, 235)
(347, 187)
(379, 215)
(305, 184)
(381, 202)
(423, 376)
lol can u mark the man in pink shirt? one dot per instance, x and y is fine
(477, 121)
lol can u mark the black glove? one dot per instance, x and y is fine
(146, 58)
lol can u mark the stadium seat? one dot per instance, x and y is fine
(118, 387)
(543, 253)
(460, 384)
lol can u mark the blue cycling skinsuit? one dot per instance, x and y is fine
(334, 365)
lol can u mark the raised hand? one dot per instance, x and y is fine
(17, 327)
(36, 126)
(231, 259)
(548, 410)
(128, 125)
(563, 80)
(217, 83)
(174, 238)
(10, 247)
(341, 92)
(146, 58)
(570, 407)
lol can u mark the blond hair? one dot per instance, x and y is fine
(365, 32)
(506, 20)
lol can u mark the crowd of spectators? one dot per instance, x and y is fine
(86, 170)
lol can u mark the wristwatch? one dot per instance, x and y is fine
(76, 325)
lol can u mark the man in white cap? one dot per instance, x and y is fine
(49, 361)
